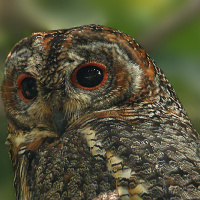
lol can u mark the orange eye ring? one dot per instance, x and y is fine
(27, 88)
(90, 76)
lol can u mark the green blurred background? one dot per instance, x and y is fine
(168, 29)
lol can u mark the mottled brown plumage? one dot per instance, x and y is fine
(91, 116)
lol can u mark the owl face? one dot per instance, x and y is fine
(53, 78)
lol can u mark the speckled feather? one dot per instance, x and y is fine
(128, 139)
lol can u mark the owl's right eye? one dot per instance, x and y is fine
(27, 88)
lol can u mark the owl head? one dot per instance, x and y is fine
(54, 78)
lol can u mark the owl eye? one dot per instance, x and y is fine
(27, 88)
(90, 76)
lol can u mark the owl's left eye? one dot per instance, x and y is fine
(90, 76)
(27, 88)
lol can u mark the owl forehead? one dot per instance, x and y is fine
(58, 45)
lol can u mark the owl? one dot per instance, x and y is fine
(91, 116)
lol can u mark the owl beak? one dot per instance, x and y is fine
(59, 121)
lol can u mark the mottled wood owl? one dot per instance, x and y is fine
(91, 116)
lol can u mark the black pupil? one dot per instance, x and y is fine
(29, 88)
(89, 76)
